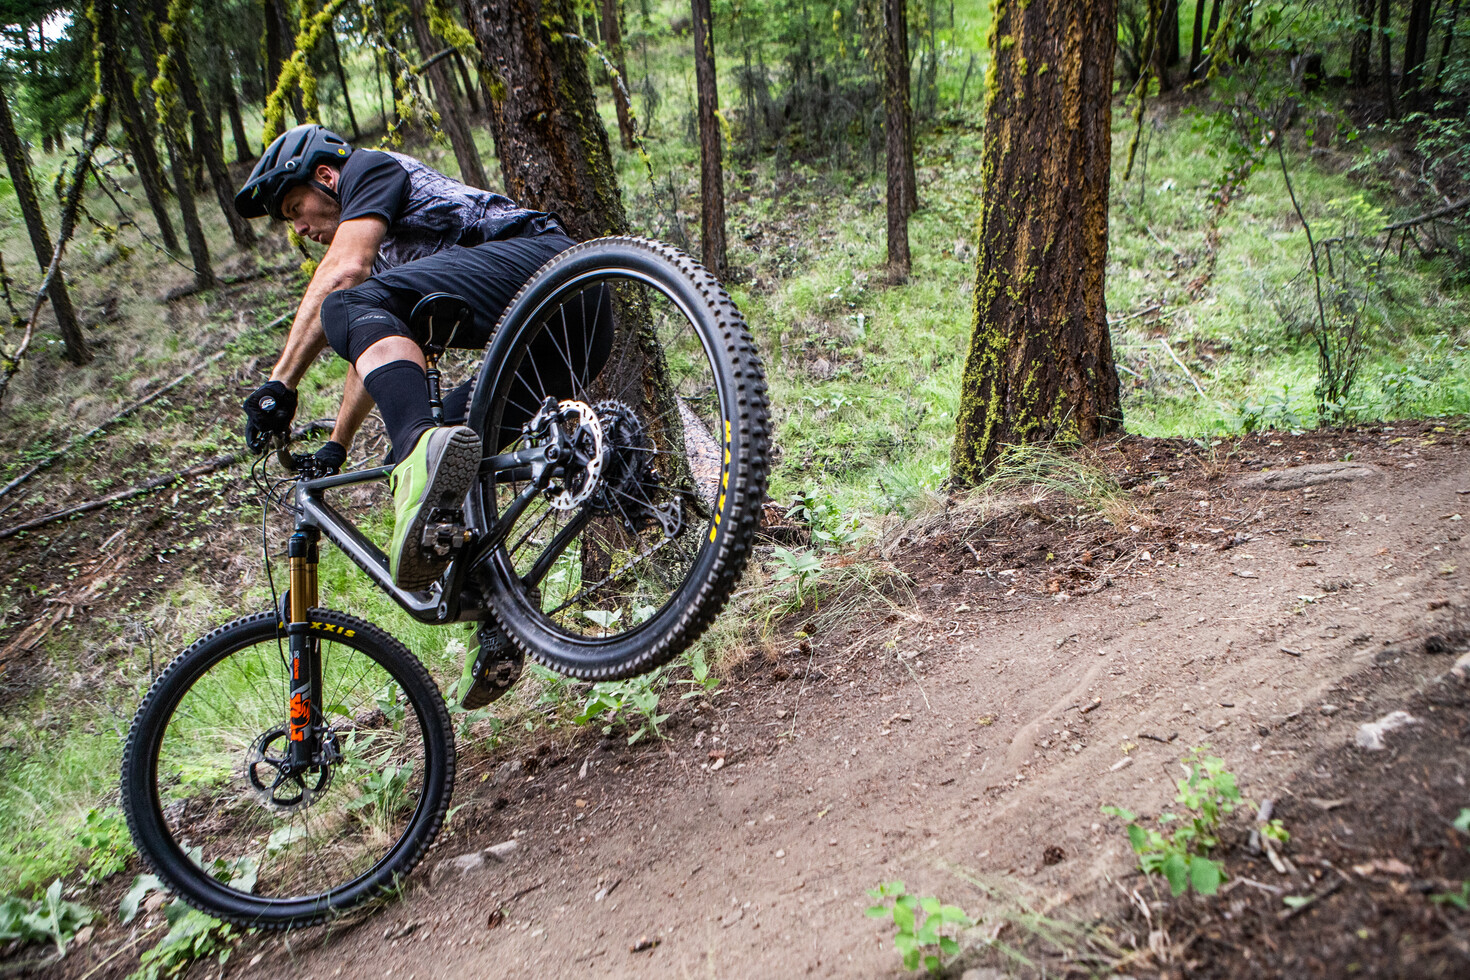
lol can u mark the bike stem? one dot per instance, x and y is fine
(306, 665)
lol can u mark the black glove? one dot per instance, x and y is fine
(269, 409)
(329, 459)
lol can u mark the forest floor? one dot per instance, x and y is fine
(1049, 663)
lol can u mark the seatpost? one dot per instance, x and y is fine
(306, 668)
(431, 371)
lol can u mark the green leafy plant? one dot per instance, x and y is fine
(1182, 855)
(921, 924)
(105, 835)
(700, 680)
(191, 936)
(49, 919)
(802, 568)
(630, 702)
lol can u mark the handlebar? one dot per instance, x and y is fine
(280, 442)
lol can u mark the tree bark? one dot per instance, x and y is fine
(1040, 364)
(896, 115)
(139, 135)
(1416, 44)
(612, 31)
(711, 152)
(910, 178)
(1160, 8)
(1197, 42)
(1386, 52)
(451, 109)
(1170, 35)
(30, 209)
(342, 80)
(553, 149)
(1360, 63)
(244, 152)
(467, 84)
(206, 143)
(1449, 40)
(280, 43)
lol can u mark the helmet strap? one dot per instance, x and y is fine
(325, 190)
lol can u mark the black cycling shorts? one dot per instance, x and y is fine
(488, 277)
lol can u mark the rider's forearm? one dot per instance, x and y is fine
(306, 339)
(356, 404)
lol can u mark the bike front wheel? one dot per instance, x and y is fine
(628, 555)
(203, 786)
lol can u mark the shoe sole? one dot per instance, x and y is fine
(459, 461)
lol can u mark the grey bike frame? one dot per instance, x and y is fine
(445, 601)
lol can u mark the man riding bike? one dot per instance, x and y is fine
(397, 230)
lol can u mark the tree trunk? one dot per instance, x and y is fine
(613, 32)
(1159, 9)
(711, 152)
(451, 109)
(174, 21)
(244, 152)
(1449, 40)
(1416, 44)
(1197, 42)
(910, 178)
(171, 125)
(467, 84)
(342, 80)
(140, 137)
(896, 106)
(280, 43)
(1386, 53)
(553, 149)
(30, 209)
(1360, 63)
(1170, 35)
(1040, 364)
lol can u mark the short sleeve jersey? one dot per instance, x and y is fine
(427, 211)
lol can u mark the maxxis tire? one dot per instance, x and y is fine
(148, 825)
(741, 384)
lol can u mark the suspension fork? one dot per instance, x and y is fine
(306, 662)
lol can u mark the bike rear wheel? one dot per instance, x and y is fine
(628, 557)
(203, 792)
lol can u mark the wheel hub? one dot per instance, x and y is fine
(280, 786)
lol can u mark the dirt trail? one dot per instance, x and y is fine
(977, 731)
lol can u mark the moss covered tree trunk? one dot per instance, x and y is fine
(896, 126)
(612, 33)
(451, 110)
(711, 152)
(30, 209)
(174, 22)
(1040, 364)
(553, 149)
(140, 136)
(342, 81)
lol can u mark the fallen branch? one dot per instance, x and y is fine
(101, 427)
(1429, 216)
(192, 288)
(1177, 361)
(10, 363)
(157, 483)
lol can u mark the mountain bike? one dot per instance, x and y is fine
(297, 762)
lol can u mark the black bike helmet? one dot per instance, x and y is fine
(291, 159)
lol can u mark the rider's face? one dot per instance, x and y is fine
(313, 214)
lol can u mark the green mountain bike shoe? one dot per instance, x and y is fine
(491, 668)
(435, 476)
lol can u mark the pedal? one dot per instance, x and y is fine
(443, 534)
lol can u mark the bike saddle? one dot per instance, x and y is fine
(436, 319)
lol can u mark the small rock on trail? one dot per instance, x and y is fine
(1310, 475)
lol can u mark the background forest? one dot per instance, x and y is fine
(1289, 247)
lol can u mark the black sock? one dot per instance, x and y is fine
(401, 390)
